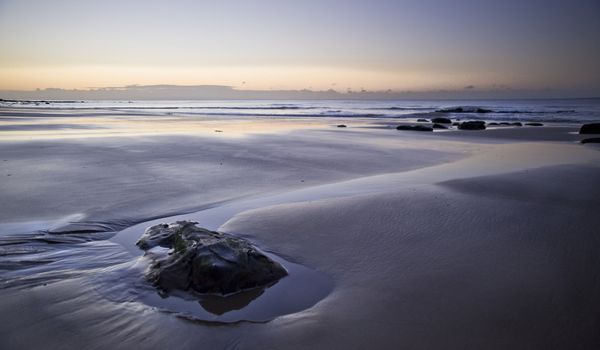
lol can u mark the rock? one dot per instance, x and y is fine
(414, 127)
(423, 120)
(456, 124)
(472, 125)
(516, 124)
(441, 121)
(591, 140)
(341, 126)
(504, 123)
(534, 124)
(493, 124)
(204, 261)
(593, 128)
(439, 126)
(465, 110)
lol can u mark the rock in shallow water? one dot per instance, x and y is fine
(591, 140)
(204, 261)
(472, 125)
(414, 127)
(441, 121)
(592, 128)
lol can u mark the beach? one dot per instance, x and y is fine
(459, 239)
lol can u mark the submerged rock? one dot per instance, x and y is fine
(592, 128)
(534, 124)
(441, 121)
(439, 126)
(423, 120)
(516, 124)
(341, 126)
(204, 261)
(472, 125)
(414, 127)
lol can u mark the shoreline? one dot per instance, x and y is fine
(444, 239)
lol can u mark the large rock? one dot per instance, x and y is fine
(439, 126)
(204, 261)
(441, 121)
(414, 127)
(472, 125)
(593, 128)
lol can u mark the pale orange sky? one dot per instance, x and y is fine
(375, 45)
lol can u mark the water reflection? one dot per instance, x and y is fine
(219, 305)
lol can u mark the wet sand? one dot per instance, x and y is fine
(454, 239)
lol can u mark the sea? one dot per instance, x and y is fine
(540, 110)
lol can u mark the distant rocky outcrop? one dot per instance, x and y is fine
(465, 110)
(204, 261)
(592, 128)
(472, 125)
(414, 127)
(441, 121)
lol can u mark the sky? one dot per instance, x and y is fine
(411, 45)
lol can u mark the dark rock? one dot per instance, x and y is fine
(423, 120)
(504, 123)
(516, 124)
(591, 140)
(534, 124)
(456, 124)
(465, 110)
(472, 125)
(441, 121)
(493, 124)
(593, 128)
(341, 126)
(439, 126)
(204, 261)
(414, 127)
